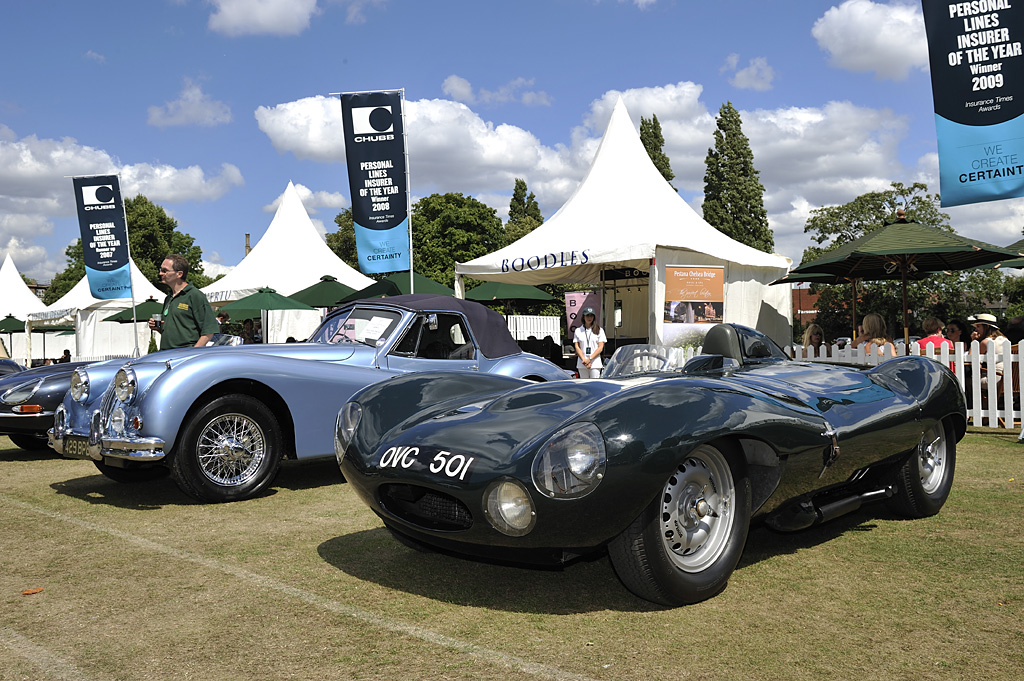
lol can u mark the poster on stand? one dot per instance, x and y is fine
(694, 301)
(977, 69)
(101, 220)
(377, 178)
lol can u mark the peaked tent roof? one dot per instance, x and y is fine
(16, 298)
(621, 211)
(289, 257)
(81, 298)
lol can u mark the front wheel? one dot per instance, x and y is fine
(230, 450)
(924, 480)
(684, 546)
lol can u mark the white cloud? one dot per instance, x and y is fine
(460, 89)
(354, 13)
(311, 201)
(310, 128)
(262, 17)
(35, 188)
(757, 75)
(95, 56)
(864, 37)
(192, 107)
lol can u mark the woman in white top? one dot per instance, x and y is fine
(589, 340)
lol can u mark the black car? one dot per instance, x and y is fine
(28, 400)
(664, 467)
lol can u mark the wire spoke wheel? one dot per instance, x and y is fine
(231, 448)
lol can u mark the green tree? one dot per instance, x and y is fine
(450, 228)
(654, 143)
(152, 234)
(523, 213)
(733, 194)
(343, 241)
(946, 296)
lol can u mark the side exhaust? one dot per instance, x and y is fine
(803, 513)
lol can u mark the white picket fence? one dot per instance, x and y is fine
(522, 326)
(994, 405)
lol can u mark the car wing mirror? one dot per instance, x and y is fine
(378, 351)
(432, 322)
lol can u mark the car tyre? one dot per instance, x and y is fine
(925, 478)
(230, 450)
(28, 441)
(132, 474)
(686, 543)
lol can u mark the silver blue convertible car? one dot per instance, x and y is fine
(222, 418)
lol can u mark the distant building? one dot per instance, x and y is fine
(804, 303)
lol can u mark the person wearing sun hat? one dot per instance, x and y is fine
(986, 332)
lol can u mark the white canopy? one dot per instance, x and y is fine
(95, 338)
(289, 257)
(625, 215)
(16, 298)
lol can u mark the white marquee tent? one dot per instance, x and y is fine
(16, 299)
(95, 338)
(289, 257)
(625, 216)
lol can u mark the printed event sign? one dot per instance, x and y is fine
(694, 298)
(575, 302)
(101, 220)
(375, 151)
(977, 72)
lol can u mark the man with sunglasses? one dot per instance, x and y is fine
(188, 319)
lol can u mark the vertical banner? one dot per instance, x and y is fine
(375, 152)
(575, 302)
(694, 299)
(104, 235)
(977, 79)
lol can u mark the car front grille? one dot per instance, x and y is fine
(425, 508)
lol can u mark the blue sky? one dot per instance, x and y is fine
(210, 107)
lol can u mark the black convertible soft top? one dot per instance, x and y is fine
(487, 326)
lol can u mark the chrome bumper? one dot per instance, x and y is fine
(96, 447)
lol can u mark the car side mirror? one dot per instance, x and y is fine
(432, 322)
(378, 351)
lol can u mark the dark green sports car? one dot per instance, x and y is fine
(662, 463)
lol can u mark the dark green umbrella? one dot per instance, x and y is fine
(143, 311)
(1016, 247)
(11, 324)
(904, 250)
(325, 293)
(251, 306)
(498, 290)
(396, 284)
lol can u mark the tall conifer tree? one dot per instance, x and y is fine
(733, 194)
(654, 141)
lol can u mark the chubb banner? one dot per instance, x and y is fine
(104, 235)
(977, 79)
(375, 151)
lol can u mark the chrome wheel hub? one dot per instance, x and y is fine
(697, 517)
(931, 459)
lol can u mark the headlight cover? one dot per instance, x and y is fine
(21, 392)
(345, 429)
(571, 463)
(79, 386)
(509, 508)
(125, 384)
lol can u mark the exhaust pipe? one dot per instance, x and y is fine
(850, 504)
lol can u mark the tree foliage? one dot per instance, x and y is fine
(733, 193)
(946, 296)
(450, 228)
(152, 235)
(654, 143)
(523, 213)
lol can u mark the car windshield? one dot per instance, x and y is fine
(362, 325)
(634, 360)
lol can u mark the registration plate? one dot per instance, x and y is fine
(76, 447)
(438, 461)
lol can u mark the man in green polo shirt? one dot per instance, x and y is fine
(188, 319)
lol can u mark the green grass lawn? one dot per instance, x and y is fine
(140, 582)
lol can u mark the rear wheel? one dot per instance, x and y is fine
(924, 480)
(29, 441)
(132, 474)
(684, 546)
(230, 450)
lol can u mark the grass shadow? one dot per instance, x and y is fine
(764, 543)
(15, 453)
(585, 585)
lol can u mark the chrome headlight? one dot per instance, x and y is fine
(509, 508)
(117, 421)
(79, 386)
(345, 429)
(572, 463)
(125, 384)
(21, 392)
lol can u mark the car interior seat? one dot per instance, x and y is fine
(722, 339)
